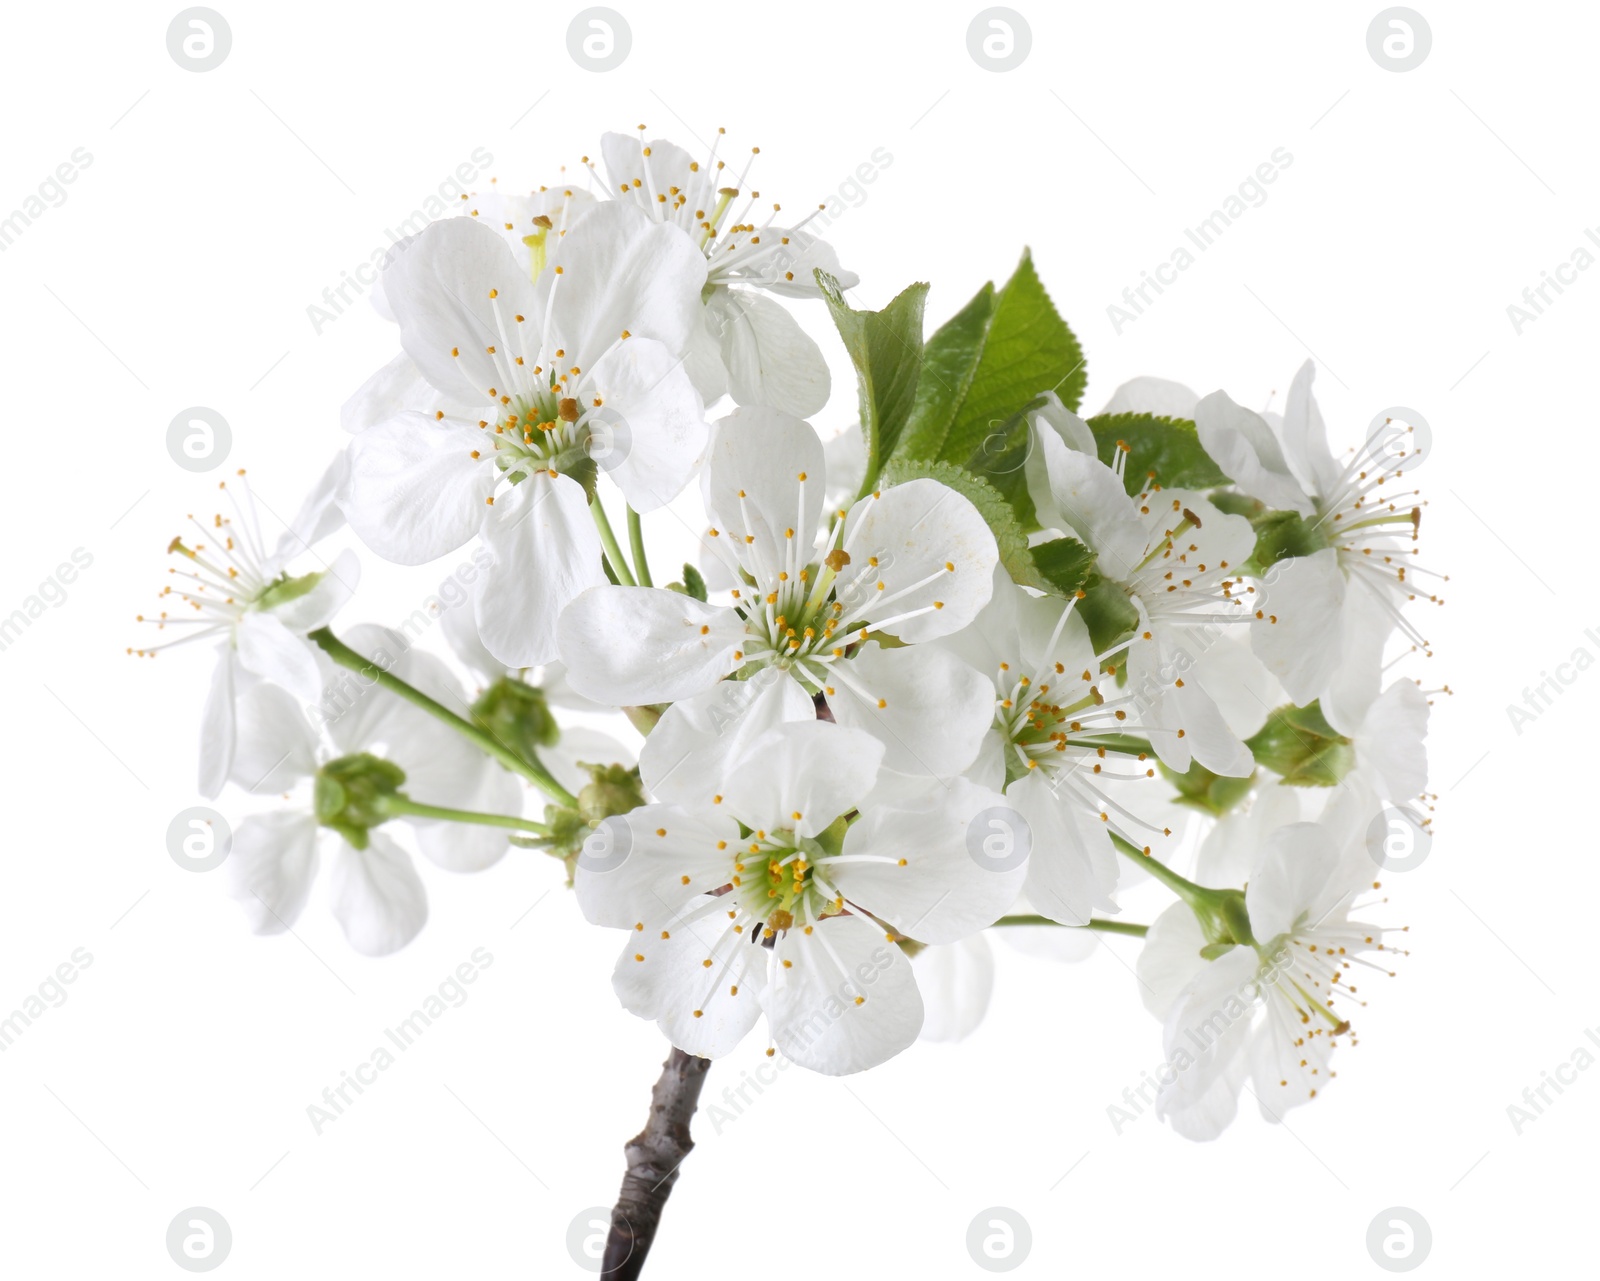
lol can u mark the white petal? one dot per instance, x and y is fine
(1305, 439)
(1389, 747)
(650, 435)
(546, 553)
(1365, 626)
(271, 866)
(935, 709)
(320, 514)
(454, 290)
(277, 746)
(1076, 492)
(934, 552)
(1300, 639)
(1209, 1025)
(956, 982)
(1159, 396)
(620, 271)
(936, 886)
(846, 457)
(397, 386)
(802, 775)
(319, 605)
(577, 749)
(217, 723)
(271, 651)
(1243, 446)
(703, 1009)
(1072, 870)
(753, 488)
(812, 1003)
(1170, 959)
(1298, 881)
(1073, 431)
(625, 646)
(377, 896)
(414, 490)
(633, 866)
(770, 360)
(689, 752)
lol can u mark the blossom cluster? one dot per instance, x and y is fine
(976, 662)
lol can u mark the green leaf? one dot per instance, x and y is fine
(1107, 612)
(1065, 563)
(693, 582)
(1168, 447)
(996, 354)
(1280, 535)
(886, 349)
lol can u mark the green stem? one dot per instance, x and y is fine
(398, 805)
(1222, 914)
(1105, 927)
(641, 566)
(535, 772)
(1187, 890)
(608, 540)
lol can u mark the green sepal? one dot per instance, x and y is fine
(518, 715)
(349, 794)
(1298, 744)
(1200, 789)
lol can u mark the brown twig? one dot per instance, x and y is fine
(654, 1155)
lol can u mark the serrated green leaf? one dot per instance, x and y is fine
(886, 349)
(1168, 447)
(949, 361)
(998, 353)
(1064, 563)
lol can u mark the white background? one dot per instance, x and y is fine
(178, 271)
